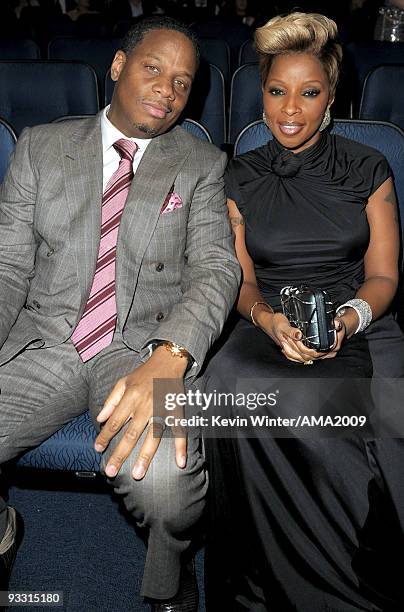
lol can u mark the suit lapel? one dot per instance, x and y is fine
(157, 171)
(83, 167)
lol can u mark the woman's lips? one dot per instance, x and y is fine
(290, 129)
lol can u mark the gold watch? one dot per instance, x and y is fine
(175, 349)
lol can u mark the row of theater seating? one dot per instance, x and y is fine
(40, 91)
(71, 448)
(228, 52)
(98, 52)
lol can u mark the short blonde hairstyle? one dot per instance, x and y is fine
(309, 33)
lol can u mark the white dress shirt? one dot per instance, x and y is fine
(111, 158)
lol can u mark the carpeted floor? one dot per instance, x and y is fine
(78, 541)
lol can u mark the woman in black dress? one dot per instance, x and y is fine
(300, 523)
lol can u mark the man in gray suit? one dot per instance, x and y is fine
(172, 280)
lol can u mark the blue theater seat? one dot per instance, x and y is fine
(217, 52)
(361, 57)
(7, 145)
(19, 49)
(98, 52)
(247, 53)
(383, 94)
(245, 99)
(34, 92)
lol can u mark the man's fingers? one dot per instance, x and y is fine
(110, 429)
(121, 413)
(124, 448)
(148, 450)
(112, 401)
(181, 450)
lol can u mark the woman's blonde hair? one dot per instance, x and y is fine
(300, 33)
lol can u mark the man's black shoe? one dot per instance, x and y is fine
(187, 598)
(8, 557)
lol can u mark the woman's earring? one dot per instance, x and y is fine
(264, 118)
(326, 120)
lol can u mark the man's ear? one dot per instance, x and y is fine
(117, 65)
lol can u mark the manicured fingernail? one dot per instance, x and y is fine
(98, 448)
(182, 461)
(111, 471)
(138, 472)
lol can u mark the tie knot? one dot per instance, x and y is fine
(126, 148)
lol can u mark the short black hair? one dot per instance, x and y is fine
(136, 33)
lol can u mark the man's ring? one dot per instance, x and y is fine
(159, 420)
(308, 362)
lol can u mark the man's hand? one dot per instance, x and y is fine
(131, 400)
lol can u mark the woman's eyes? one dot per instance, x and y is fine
(275, 91)
(308, 93)
(311, 93)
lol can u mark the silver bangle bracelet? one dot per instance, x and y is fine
(362, 309)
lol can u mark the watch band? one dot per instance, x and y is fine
(176, 350)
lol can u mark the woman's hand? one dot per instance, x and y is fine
(288, 338)
(341, 329)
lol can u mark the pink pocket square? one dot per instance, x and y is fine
(172, 201)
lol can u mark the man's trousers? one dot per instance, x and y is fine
(43, 389)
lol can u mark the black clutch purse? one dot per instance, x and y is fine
(312, 311)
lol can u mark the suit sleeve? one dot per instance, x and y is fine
(211, 275)
(17, 240)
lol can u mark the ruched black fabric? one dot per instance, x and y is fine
(286, 164)
(300, 524)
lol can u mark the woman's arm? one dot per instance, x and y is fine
(381, 258)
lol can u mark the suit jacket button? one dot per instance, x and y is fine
(159, 316)
(159, 267)
(50, 253)
(36, 304)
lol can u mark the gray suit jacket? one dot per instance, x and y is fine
(176, 273)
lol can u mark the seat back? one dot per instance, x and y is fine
(361, 57)
(18, 49)
(245, 99)
(195, 128)
(217, 52)
(7, 145)
(383, 94)
(33, 92)
(234, 34)
(98, 52)
(206, 103)
(247, 53)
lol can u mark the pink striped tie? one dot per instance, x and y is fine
(96, 327)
